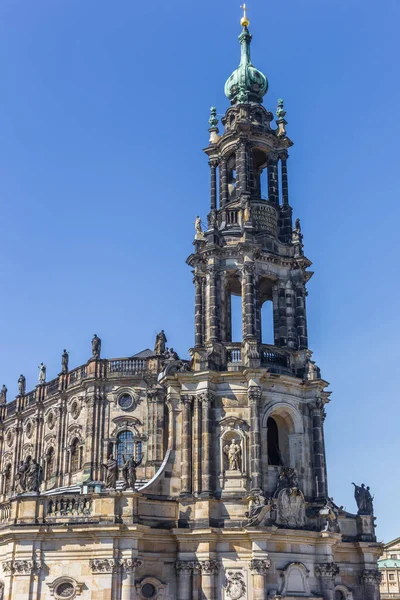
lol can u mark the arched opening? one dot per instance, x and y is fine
(75, 456)
(236, 318)
(232, 315)
(50, 463)
(274, 452)
(125, 447)
(267, 322)
(339, 595)
(260, 182)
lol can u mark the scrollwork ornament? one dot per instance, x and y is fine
(235, 585)
(22, 567)
(209, 567)
(129, 565)
(328, 570)
(260, 566)
(184, 566)
(103, 565)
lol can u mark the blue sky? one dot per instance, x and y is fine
(103, 111)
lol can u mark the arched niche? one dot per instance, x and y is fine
(343, 593)
(295, 580)
(234, 454)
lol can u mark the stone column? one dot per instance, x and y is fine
(279, 307)
(371, 579)
(213, 184)
(301, 316)
(128, 569)
(199, 311)
(223, 183)
(248, 300)
(327, 572)
(241, 168)
(212, 316)
(292, 341)
(258, 569)
(273, 184)
(186, 463)
(209, 569)
(184, 579)
(254, 395)
(317, 413)
(285, 185)
(206, 454)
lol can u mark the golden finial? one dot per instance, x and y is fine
(244, 21)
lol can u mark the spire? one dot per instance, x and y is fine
(246, 84)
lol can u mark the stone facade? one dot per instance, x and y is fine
(389, 567)
(155, 477)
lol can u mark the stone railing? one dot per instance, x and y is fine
(234, 353)
(67, 506)
(76, 375)
(5, 512)
(128, 366)
(269, 355)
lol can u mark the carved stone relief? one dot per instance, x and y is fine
(235, 586)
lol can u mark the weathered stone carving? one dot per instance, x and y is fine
(112, 472)
(33, 476)
(64, 361)
(257, 502)
(287, 479)
(20, 478)
(198, 228)
(161, 340)
(42, 373)
(96, 346)
(291, 508)
(103, 565)
(364, 499)
(371, 576)
(330, 514)
(328, 570)
(3, 395)
(260, 566)
(208, 567)
(65, 587)
(22, 567)
(234, 454)
(21, 385)
(129, 472)
(129, 565)
(235, 585)
(184, 565)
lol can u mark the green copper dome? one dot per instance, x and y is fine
(246, 84)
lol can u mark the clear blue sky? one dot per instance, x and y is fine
(103, 111)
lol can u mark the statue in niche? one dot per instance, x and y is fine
(33, 476)
(42, 373)
(96, 346)
(161, 340)
(231, 168)
(129, 471)
(64, 362)
(365, 501)
(21, 385)
(111, 467)
(233, 453)
(3, 395)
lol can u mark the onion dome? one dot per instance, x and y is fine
(246, 84)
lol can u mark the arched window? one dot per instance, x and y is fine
(50, 463)
(75, 456)
(274, 452)
(125, 446)
(267, 322)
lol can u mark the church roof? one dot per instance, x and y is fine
(144, 354)
(390, 563)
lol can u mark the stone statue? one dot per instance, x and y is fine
(364, 499)
(64, 362)
(96, 346)
(21, 385)
(20, 478)
(287, 479)
(129, 471)
(199, 230)
(171, 354)
(112, 472)
(3, 395)
(42, 373)
(234, 454)
(33, 476)
(297, 236)
(161, 340)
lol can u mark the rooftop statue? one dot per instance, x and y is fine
(364, 499)
(42, 373)
(112, 472)
(3, 395)
(96, 346)
(21, 385)
(161, 340)
(64, 362)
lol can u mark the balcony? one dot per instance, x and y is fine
(277, 360)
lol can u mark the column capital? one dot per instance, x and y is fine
(184, 566)
(21, 567)
(103, 565)
(317, 408)
(326, 570)
(254, 394)
(129, 565)
(213, 163)
(208, 567)
(206, 397)
(187, 400)
(259, 566)
(371, 576)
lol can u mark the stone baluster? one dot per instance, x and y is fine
(371, 579)
(254, 395)
(317, 415)
(186, 463)
(273, 183)
(248, 300)
(184, 576)
(326, 572)
(199, 311)
(128, 569)
(206, 453)
(258, 569)
(212, 304)
(213, 184)
(209, 570)
(223, 181)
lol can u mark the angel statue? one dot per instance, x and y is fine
(233, 453)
